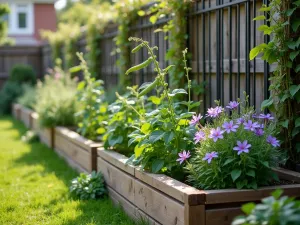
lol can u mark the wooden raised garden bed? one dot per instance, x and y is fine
(16, 111)
(79, 152)
(25, 116)
(163, 200)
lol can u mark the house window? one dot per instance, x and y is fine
(21, 20)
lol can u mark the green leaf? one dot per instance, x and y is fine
(235, 174)
(141, 13)
(183, 122)
(156, 136)
(292, 45)
(168, 68)
(168, 137)
(248, 208)
(289, 12)
(75, 69)
(251, 173)
(295, 24)
(80, 85)
(293, 55)
(153, 19)
(254, 52)
(261, 17)
(294, 89)
(145, 128)
(177, 91)
(295, 131)
(155, 100)
(285, 123)
(265, 9)
(276, 194)
(296, 3)
(297, 69)
(138, 150)
(266, 29)
(228, 161)
(297, 122)
(266, 103)
(265, 163)
(240, 184)
(157, 165)
(113, 140)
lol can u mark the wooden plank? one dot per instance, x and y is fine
(234, 195)
(194, 215)
(77, 154)
(288, 174)
(171, 187)
(222, 216)
(35, 122)
(26, 116)
(16, 109)
(116, 159)
(157, 205)
(117, 179)
(45, 135)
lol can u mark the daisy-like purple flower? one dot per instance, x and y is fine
(209, 156)
(266, 117)
(259, 132)
(183, 156)
(199, 136)
(230, 127)
(195, 119)
(240, 121)
(214, 112)
(242, 147)
(251, 126)
(216, 134)
(273, 141)
(233, 105)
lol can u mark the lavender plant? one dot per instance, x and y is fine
(234, 150)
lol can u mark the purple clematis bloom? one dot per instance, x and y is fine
(251, 126)
(266, 117)
(229, 126)
(233, 105)
(214, 112)
(199, 136)
(240, 121)
(183, 156)
(259, 132)
(242, 147)
(209, 156)
(273, 141)
(216, 134)
(195, 119)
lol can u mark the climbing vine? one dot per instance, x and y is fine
(282, 25)
(4, 10)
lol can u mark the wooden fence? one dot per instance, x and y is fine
(221, 34)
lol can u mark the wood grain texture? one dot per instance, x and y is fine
(16, 111)
(25, 116)
(46, 136)
(288, 174)
(35, 122)
(222, 216)
(194, 215)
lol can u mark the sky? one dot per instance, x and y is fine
(60, 4)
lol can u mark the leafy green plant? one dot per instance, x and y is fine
(282, 25)
(30, 137)
(273, 210)
(56, 99)
(4, 10)
(28, 98)
(124, 113)
(89, 186)
(165, 131)
(22, 73)
(8, 95)
(92, 111)
(234, 150)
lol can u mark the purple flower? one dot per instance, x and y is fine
(273, 141)
(230, 127)
(240, 121)
(233, 105)
(259, 132)
(183, 156)
(242, 147)
(214, 112)
(251, 126)
(195, 119)
(266, 116)
(209, 156)
(199, 136)
(216, 134)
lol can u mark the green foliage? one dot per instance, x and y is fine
(56, 99)
(282, 25)
(22, 74)
(92, 111)
(273, 210)
(88, 186)
(28, 98)
(164, 132)
(30, 137)
(8, 95)
(123, 114)
(229, 169)
(55, 40)
(4, 40)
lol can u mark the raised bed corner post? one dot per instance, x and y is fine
(94, 148)
(194, 208)
(52, 137)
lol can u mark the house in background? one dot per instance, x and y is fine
(28, 17)
(25, 21)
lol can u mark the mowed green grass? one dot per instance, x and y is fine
(34, 186)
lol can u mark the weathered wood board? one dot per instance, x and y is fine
(25, 116)
(16, 111)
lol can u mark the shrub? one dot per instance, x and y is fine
(8, 94)
(28, 99)
(92, 111)
(22, 74)
(88, 186)
(234, 149)
(273, 210)
(56, 99)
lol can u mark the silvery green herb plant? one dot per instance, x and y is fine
(165, 131)
(92, 114)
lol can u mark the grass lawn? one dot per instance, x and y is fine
(34, 184)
